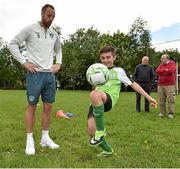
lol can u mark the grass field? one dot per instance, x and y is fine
(139, 139)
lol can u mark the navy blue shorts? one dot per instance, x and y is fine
(40, 83)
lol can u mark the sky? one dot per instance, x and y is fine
(163, 17)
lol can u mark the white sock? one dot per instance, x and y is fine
(45, 134)
(29, 136)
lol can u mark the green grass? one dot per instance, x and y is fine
(139, 139)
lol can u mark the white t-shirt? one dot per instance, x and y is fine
(41, 44)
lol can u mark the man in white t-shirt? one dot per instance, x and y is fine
(42, 43)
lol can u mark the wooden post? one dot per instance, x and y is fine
(177, 76)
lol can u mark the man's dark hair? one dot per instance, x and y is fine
(47, 6)
(108, 48)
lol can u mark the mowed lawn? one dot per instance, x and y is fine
(138, 139)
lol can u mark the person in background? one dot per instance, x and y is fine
(166, 72)
(41, 44)
(144, 75)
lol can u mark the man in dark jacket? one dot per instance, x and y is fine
(144, 76)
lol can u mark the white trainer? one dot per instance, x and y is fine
(161, 115)
(170, 116)
(30, 149)
(48, 142)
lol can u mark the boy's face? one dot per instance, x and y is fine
(107, 59)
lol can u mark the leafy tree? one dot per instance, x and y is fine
(11, 74)
(57, 29)
(140, 35)
(79, 52)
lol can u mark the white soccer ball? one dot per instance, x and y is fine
(97, 74)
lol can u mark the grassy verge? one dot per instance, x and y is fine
(139, 139)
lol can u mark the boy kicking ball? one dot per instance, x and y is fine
(104, 97)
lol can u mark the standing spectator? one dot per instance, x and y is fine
(144, 76)
(41, 43)
(166, 85)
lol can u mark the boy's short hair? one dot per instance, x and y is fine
(108, 48)
(46, 6)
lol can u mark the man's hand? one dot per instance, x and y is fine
(55, 68)
(30, 67)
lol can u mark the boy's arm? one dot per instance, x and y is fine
(140, 90)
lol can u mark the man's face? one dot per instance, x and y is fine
(107, 59)
(47, 17)
(145, 60)
(164, 59)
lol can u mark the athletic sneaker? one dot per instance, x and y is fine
(30, 150)
(105, 153)
(170, 115)
(48, 142)
(98, 138)
(161, 115)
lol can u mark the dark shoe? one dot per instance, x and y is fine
(98, 138)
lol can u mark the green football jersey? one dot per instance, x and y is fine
(112, 87)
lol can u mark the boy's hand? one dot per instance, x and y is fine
(153, 102)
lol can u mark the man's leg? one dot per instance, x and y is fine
(29, 122)
(147, 89)
(146, 105)
(162, 101)
(46, 115)
(138, 102)
(46, 141)
(30, 118)
(170, 91)
(33, 92)
(48, 97)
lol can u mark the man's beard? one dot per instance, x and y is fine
(47, 24)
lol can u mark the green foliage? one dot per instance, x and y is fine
(174, 54)
(140, 35)
(79, 52)
(57, 29)
(11, 73)
(139, 140)
(81, 49)
(124, 49)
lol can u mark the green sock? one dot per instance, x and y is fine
(99, 117)
(105, 146)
